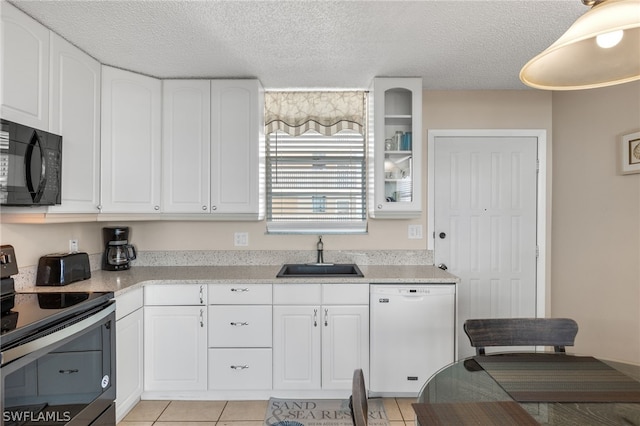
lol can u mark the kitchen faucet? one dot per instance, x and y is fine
(320, 248)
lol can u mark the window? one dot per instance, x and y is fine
(315, 161)
(316, 183)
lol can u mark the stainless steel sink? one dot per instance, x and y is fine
(323, 270)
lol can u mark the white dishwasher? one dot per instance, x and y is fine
(412, 335)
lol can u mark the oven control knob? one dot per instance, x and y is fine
(105, 381)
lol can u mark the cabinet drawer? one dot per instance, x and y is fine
(345, 294)
(175, 294)
(240, 326)
(129, 302)
(240, 369)
(73, 372)
(240, 294)
(297, 294)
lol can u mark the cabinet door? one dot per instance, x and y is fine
(175, 348)
(130, 142)
(75, 114)
(296, 347)
(237, 149)
(25, 69)
(397, 148)
(345, 344)
(129, 359)
(186, 134)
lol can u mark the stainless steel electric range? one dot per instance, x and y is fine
(57, 357)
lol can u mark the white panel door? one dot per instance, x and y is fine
(345, 344)
(175, 348)
(129, 359)
(485, 224)
(24, 79)
(130, 142)
(237, 143)
(75, 114)
(296, 347)
(186, 134)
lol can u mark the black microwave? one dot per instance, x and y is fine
(30, 166)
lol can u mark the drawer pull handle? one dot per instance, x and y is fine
(239, 324)
(239, 367)
(201, 295)
(240, 289)
(75, 370)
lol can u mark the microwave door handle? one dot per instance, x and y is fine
(42, 179)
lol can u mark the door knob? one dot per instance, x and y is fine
(443, 266)
(442, 235)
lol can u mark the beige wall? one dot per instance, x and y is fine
(596, 221)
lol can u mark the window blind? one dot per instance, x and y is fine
(316, 183)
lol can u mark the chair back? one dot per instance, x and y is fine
(358, 403)
(556, 332)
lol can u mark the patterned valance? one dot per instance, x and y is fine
(325, 112)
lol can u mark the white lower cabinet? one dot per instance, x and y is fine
(240, 337)
(320, 335)
(130, 350)
(296, 347)
(175, 338)
(129, 361)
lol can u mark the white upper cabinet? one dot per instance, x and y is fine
(25, 69)
(130, 142)
(396, 141)
(75, 114)
(237, 149)
(213, 148)
(186, 134)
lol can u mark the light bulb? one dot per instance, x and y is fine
(609, 40)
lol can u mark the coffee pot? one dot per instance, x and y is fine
(118, 253)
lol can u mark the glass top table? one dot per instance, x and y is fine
(466, 381)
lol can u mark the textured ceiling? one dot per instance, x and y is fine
(472, 44)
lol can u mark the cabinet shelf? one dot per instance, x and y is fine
(398, 120)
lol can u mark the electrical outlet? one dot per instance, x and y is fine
(241, 239)
(73, 246)
(415, 232)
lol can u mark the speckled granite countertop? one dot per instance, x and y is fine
(123, 281)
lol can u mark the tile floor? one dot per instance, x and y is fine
(233, 413)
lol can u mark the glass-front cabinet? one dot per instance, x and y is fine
(396, 148)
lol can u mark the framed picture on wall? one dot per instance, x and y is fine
(630, 153)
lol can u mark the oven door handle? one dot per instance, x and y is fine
(42, 342)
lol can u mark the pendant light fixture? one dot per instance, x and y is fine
(601, 48)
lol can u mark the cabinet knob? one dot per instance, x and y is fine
(156, 208)
(99, 206)
(214, 208)
(204, 208)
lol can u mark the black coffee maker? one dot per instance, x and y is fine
(118, 253)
